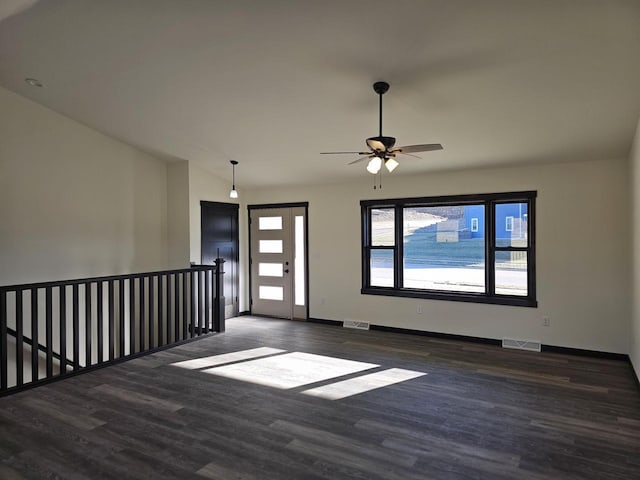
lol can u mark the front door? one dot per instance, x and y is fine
(219, 238)
(278, 261)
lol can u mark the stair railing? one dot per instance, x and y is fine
(52, 330)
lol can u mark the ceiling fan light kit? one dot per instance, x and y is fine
(381, 148)
(391, 164)
(374, 165)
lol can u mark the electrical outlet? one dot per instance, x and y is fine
(419, 309)
(546, 322)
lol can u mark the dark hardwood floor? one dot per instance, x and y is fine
(480, 412)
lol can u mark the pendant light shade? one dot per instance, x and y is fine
(391, 164)
(374, 165)
(233, 193)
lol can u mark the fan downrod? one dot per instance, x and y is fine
(380, 87)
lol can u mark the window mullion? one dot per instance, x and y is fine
(490, 241)
(399, 248)
(366, 251)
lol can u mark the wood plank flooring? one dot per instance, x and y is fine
(480, 412)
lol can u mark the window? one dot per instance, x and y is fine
(473, 248)
(508, 224)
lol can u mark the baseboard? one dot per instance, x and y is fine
(490, 341)
(325, 321)
(243, 313)
(585, 353)
(446, 336)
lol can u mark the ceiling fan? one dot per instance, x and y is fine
(381, 151)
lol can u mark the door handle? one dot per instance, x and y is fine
(286, 271)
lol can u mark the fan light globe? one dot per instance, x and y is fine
(374, 165)
(391, 164)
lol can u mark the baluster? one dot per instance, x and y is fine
(87, 321)
(193, 303)
(62, 300)
(121, 327)
(111, 306)
(207, 300)
(219, 296)
(49, 330)
(76, 328)
(100, 337)
(183, 277)
(151, 319)
(200, 301)
(4, 361)
(132, 316)
(168, 315)
(176, 312)
(19, 339)
(160, 303)
(141, 295)
(34, 335)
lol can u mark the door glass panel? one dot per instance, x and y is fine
(270, 269)
(299, 260)
(271, 293)
(511, 273)
(270, 246)
(270, 223)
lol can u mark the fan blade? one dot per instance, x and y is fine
(359, 160)
(344, 153)
(409, 155)
(429, 147)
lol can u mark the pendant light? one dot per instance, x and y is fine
(234, 192)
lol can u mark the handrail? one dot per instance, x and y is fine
(78, 281)
(97, 321)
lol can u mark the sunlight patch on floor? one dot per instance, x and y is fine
(364, 383)
(290, 370)
(273, 367)
(205, 362)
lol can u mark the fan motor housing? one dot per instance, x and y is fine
(374, 143)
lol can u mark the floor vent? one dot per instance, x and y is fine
(356, 324)
(531, 345)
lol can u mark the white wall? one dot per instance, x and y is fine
(583, 253)
(203, 185)
(178, 214)
(73, 202)
(634, 352)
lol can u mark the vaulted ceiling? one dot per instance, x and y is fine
(273, 83)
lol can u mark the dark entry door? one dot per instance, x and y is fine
(219, 227)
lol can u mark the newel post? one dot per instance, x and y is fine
(218, 301)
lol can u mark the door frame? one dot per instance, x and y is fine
(264, 206)
(236, 242)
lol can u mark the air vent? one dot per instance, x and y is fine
(531, 345)
(356, 324)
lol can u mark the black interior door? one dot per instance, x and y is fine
(219, 227)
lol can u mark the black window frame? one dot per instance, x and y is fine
(489, 200)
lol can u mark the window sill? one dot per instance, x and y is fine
(452, 296)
